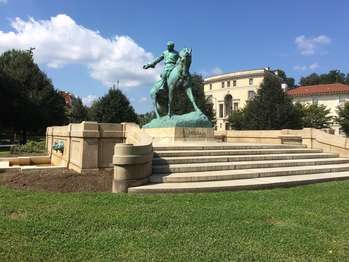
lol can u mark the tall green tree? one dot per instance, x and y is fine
(271, 109)
(343, 118)
(287, 80)
(78, 111)
(36, 104)
(114, 107)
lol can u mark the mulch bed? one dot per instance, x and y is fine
(65, 181)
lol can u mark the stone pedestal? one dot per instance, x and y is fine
(187, 134)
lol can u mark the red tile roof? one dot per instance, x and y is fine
(327, 89)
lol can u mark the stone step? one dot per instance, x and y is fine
(246, 173)
(214, 166)
(224, 152)
(208, 159)
(221, 146)
(4, 163)
(240, 184)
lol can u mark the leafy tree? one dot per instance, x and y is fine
(343, 118)
(312, 79)
(333, 76)
(288, 80)
(78, 111)
(236, 119)
(271, 108)
(145, 118)
(315, 116)
(113, 107)
(35, 104)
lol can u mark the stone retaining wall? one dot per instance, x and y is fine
(311, 137)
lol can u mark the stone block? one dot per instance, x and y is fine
(172, 134)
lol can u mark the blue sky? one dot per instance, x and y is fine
(85, 46)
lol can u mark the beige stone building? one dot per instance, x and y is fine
(230, 91)
(330, 95)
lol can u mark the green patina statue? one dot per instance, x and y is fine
(58, 146)
(175, 75)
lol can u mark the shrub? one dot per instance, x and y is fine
(29, 147)
(316, 116)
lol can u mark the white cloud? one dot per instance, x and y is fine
(88, 100)
(299, 68)
(308, 46)
(217, 71)
(214, 71)
(143, 99)
(60, 41)
(312, 66)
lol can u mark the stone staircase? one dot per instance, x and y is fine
(229, 167)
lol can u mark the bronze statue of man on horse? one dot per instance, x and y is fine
(175, 75)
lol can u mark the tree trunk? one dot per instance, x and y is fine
(23, 139)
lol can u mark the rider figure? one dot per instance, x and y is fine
(170, 57)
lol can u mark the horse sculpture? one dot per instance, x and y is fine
(179, 77)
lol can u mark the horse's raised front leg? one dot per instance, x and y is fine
(190, 95)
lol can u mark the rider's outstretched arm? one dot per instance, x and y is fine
(153, 64)
(157, 60)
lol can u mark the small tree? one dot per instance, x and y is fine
(114, 107)
(343, 118)
(316, 116)
(271, 108)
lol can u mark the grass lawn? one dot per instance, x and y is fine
(309, 223)
(5, 153)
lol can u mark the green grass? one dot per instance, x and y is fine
(5, 153)
(309, 223)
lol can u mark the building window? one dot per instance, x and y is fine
(222, 84)
(234, 82)
(210, 86)
(220, 125)
(236, 106)
(315, 101)
(221, 110)
(342, 100)
(250, 81)
(251, 94)
(227, 126)
(228, 83)
(209, 99)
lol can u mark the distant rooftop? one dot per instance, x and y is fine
(326, 89)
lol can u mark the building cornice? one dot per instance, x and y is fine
(237, 75)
